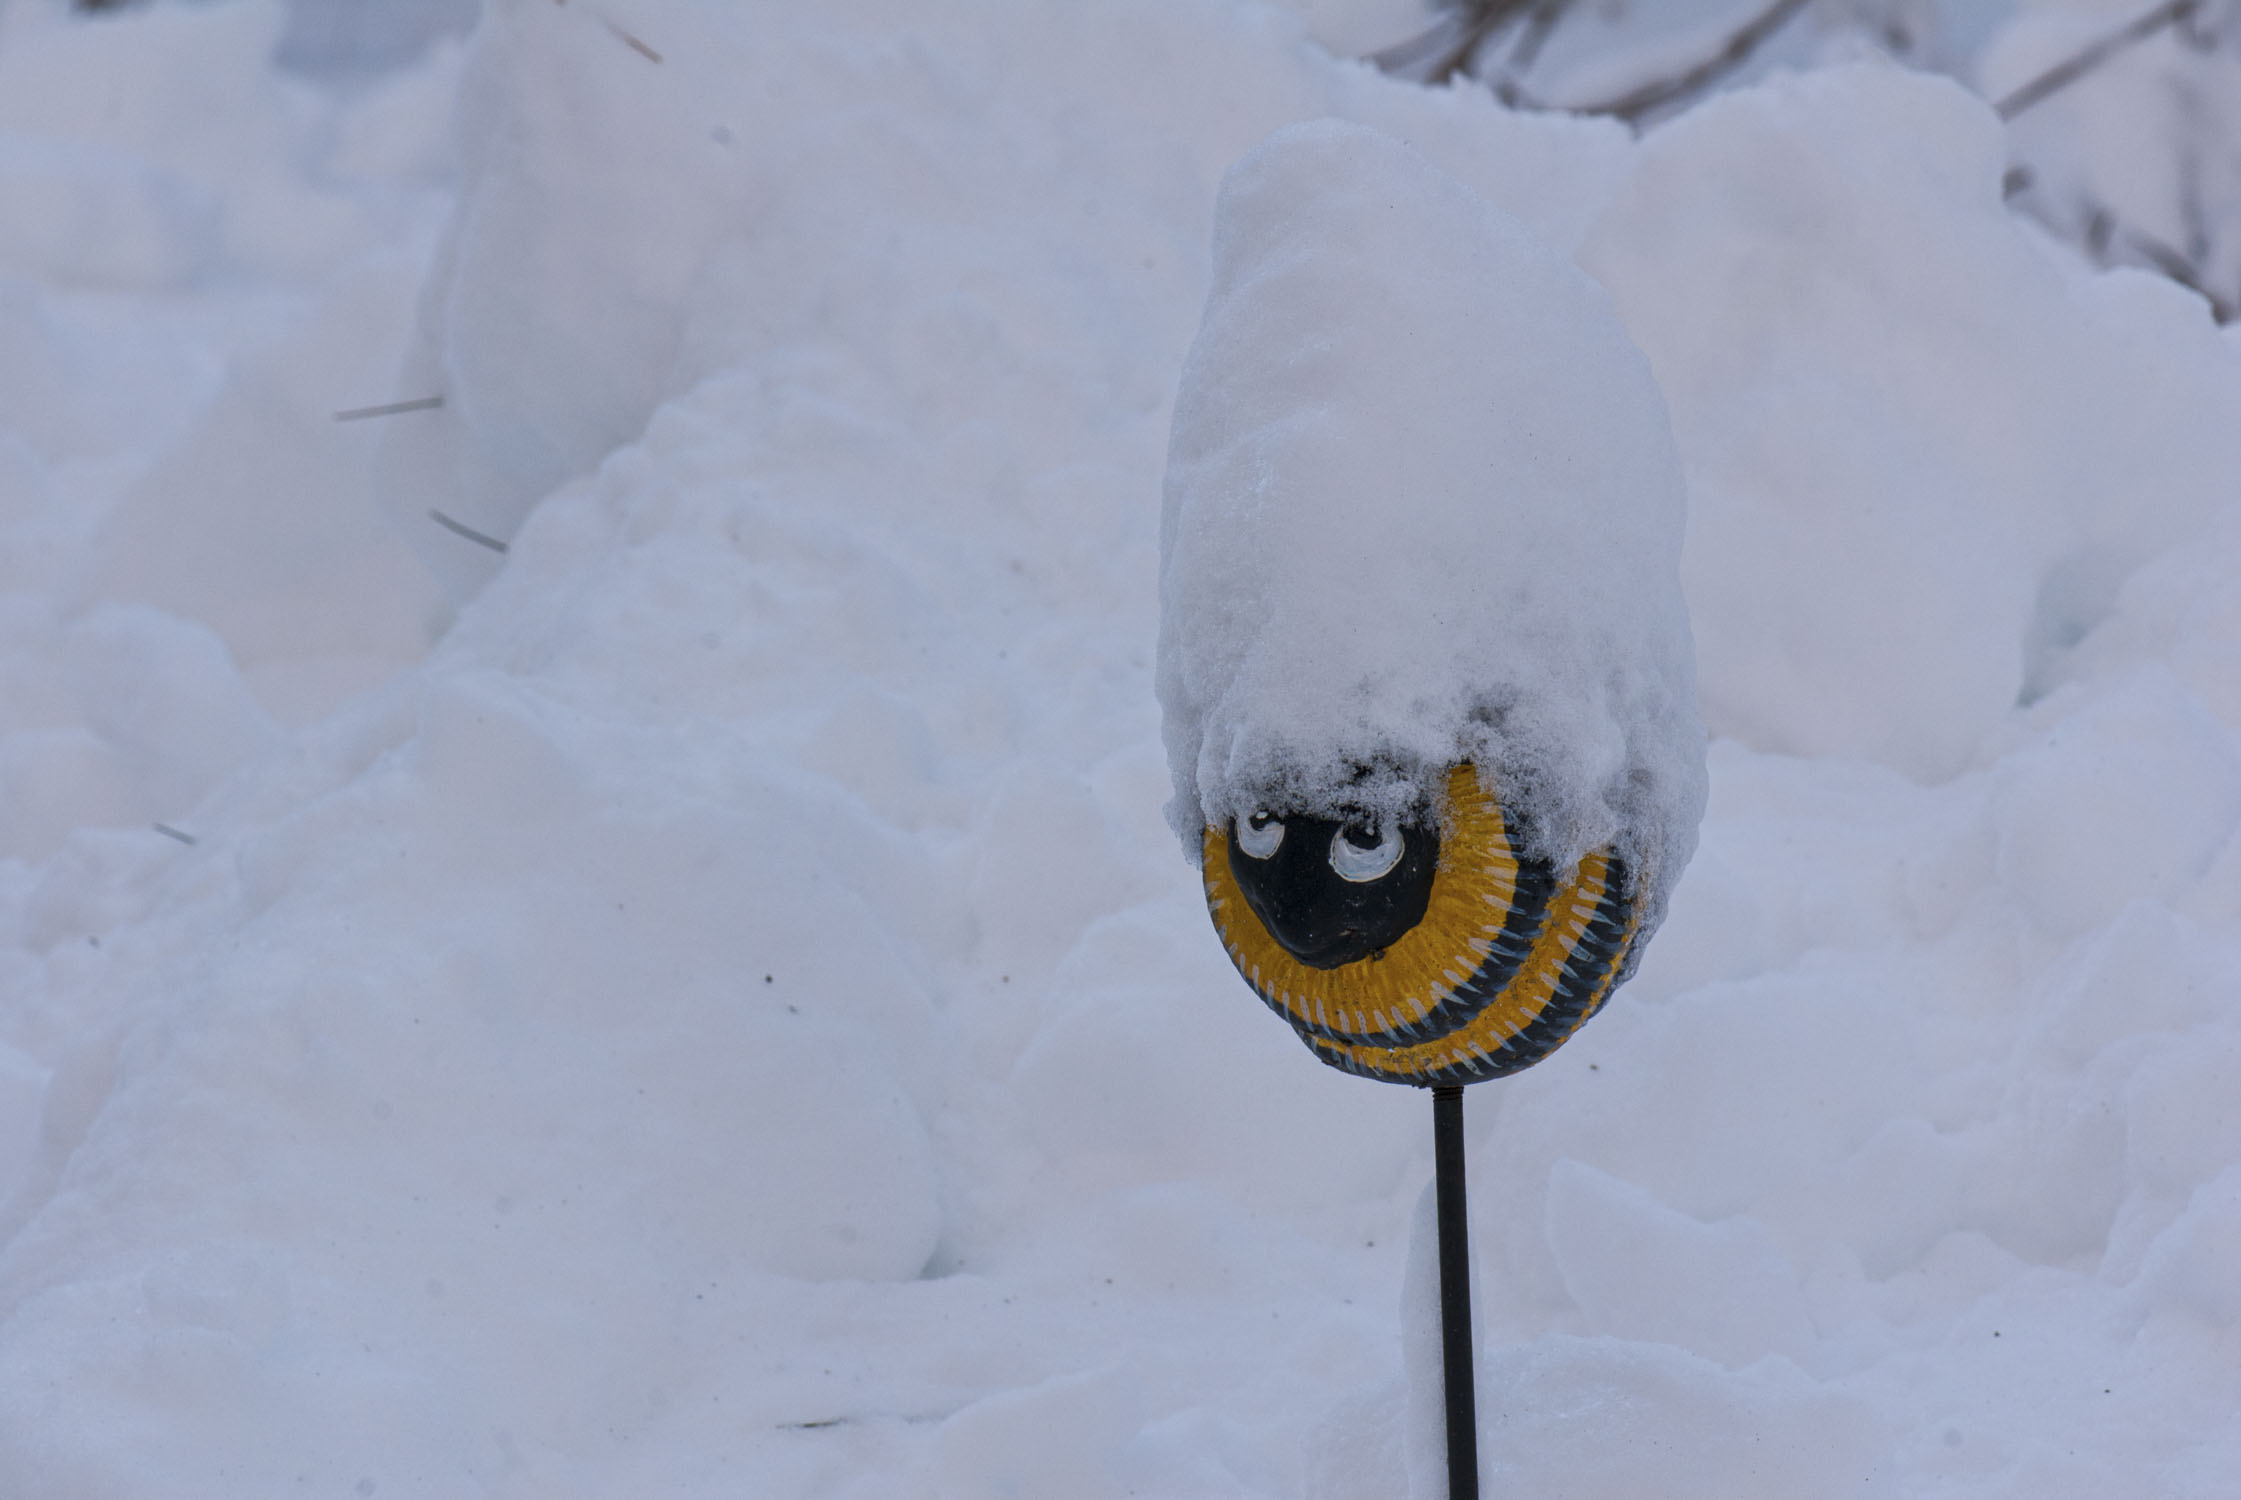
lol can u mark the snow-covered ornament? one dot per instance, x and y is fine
(1426, 950)
(1430, 701)
(1427, 686)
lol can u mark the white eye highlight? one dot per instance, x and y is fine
(1259, 835)
(1360, 854)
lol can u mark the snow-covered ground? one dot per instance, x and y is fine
(706, 1003)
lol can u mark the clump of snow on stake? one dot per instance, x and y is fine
(1422, 507)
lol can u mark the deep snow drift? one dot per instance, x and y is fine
(706, 1002)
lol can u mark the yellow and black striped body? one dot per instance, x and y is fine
(1503, 966)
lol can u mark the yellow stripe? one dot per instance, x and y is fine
(1518, 1006)
(1472, 892)
(1520, 1002)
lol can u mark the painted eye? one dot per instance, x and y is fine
(1259, 835)
(1360, 854)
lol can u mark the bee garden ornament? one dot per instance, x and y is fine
(1425, 668)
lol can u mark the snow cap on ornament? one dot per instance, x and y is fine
(1425, 667)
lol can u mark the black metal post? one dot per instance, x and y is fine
(1455, 1292)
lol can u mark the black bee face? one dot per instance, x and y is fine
(1425, 950)
(1335, 892)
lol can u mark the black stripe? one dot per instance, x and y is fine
(1528, 911)
(1580, 991)
(1536, 883)
(1579, 988)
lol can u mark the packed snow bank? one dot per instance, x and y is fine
(1422, 509)
(199, 265)
(1923, 452)
(868, 237)
(549, 1110)
(1904, 1166)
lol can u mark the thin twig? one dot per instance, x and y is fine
(2197, 31)
(391, 409)
(1534, 35)
(2182, 270)
(2194, 214)
(1647, 98)
(633, 43)
(2100, 237)
(2076, 66)
(460, 528)
(2100, 228)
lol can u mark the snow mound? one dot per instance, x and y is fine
(1422, 508)
(428, 1127)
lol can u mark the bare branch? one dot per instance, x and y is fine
(1650, 97)
(2102, 239)
(2198, 30)
(1438, 54)
(2077, 65)
(1534, 36)
(2182, 270)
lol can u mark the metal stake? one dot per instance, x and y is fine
(1455, 1292)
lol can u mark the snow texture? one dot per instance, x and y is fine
(1422, 508)
(705, 1003)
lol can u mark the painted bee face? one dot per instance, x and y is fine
(1425, 951)
(1334, 892)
